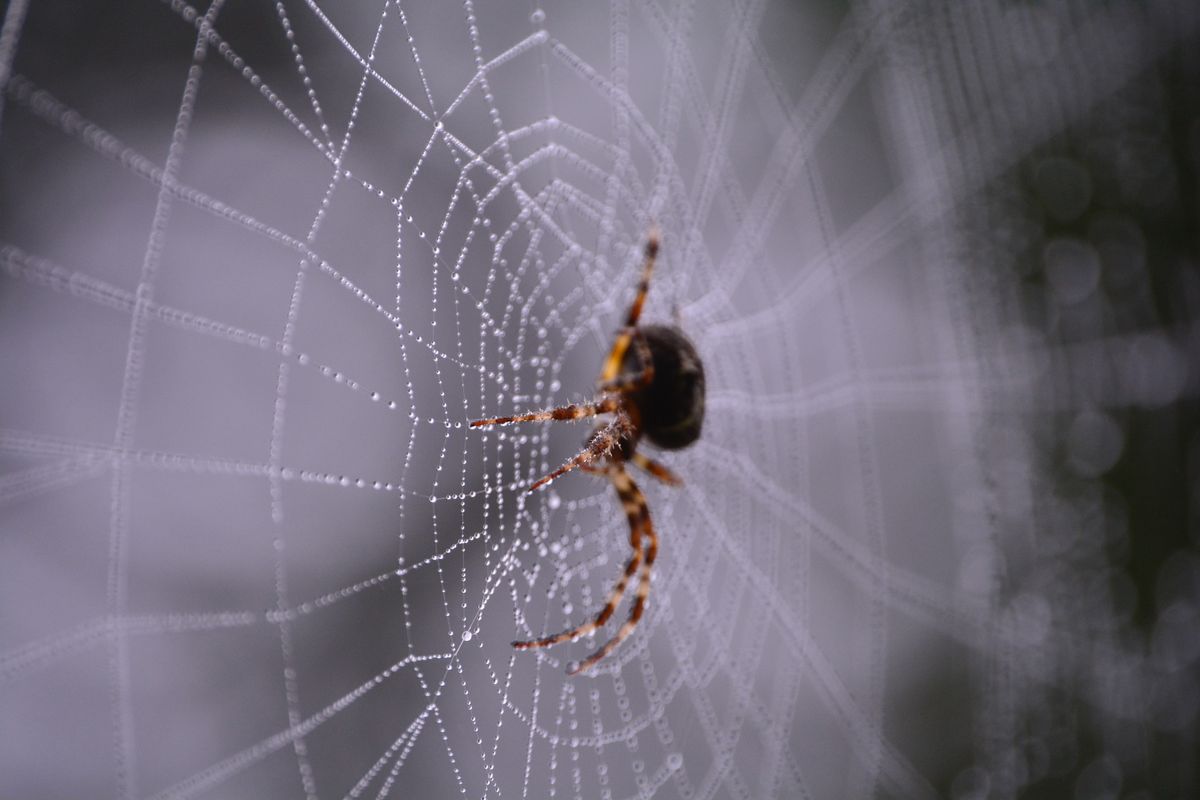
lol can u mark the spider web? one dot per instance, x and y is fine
(263, 262)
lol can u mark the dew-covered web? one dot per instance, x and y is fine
(263, 262)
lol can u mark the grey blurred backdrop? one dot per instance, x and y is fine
(260, 263)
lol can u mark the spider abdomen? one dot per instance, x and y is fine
(672, 405)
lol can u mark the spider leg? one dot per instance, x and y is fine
(618, 591)
(602, 442)
(638, 380)
(657, 470)
(574, 411)
(635, 506)
(635, 310)
(612, 364)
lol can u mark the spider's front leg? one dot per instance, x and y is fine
(614, 598)
(634, 503)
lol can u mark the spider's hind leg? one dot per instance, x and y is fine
(637, 380)
(635, 309)
(657, 470)
(612, 364)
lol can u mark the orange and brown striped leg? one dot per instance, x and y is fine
(635, 309)
(635, 543)
(640, 379)
(602, 442)
(657, 470)
(575, 411)
(635, 506)
(612, 364)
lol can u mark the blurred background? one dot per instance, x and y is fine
(261, 263)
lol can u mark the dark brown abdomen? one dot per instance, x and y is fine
(672, 406)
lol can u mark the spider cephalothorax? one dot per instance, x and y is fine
(652, 383)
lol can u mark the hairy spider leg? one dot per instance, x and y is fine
(638, 512)
(657, 470)
(575, 411)
(637, 380)
(602, 442)
(618, 591)
(612, 364)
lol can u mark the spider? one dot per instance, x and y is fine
(652, 383)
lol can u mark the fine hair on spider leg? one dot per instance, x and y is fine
(602, 443)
